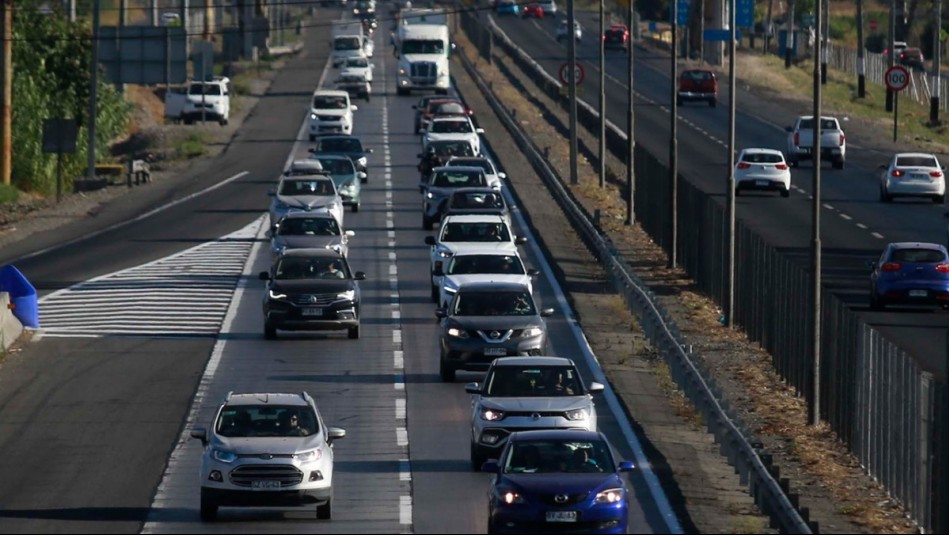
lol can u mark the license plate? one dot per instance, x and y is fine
(918, 293)
(312, 311)
(265, 484)
(762, 183)
(919, 176)
(806, 150)
(495, 351)
(561, 516)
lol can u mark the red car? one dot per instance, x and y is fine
(617, 37)
(533, 10)
(698, 84)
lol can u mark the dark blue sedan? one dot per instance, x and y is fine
(565, 481)
(910, 273)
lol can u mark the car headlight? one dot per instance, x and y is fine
(577, 414)
(309, 456)
(402, 72)
(457, 333)
(362, 161)
(348, 295)
(276, 295)
(224, 456)
(430, 195)
(313, 116)
(347, 188)
(531, 332)
(491, 415)
(610, 496)
(279, 249)
(450, 290)
(508, 496)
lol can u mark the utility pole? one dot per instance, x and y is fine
(6, 118)
(72, 10)
(572, 59)
(814, 405)
(602, 109)
(769, 28)
(861, 54)
(673, 137)
(730, 185)
(824, 36)
(208, 19)
(630, 130)
(937, 61)
(93, 94)
(891, 54)
(790, 39)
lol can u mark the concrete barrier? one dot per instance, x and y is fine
(10, 327)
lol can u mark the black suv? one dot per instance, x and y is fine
(311, 290)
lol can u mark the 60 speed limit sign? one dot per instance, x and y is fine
(896, 78)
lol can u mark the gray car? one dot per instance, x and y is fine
(309, 230)
(489, 320)
(440, 184)
(305, 194)
(527, 393)
(477, 201)
(343, 172)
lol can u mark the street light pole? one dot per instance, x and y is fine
(730, 185)
(673, 137)
(602, 110)
(572, 60)
(93, 94)
(891, 55)
(824, 36)
(861, 54)
(814, 405)
(937, 61)
(630, 130)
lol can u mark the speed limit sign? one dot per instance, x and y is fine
(896, 78)
(578, 73)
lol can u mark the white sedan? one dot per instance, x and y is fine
(454, 129)
(360, 65)
(913, 174)
(563, 30)
(762, 169)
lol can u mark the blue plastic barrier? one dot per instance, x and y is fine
(22, 296)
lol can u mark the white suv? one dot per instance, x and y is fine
(267, 450)
(331, 112)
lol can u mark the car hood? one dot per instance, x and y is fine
(536, 404)
(455, 246)
(438, 136)
(307, 242)
(342, 180)
(306, 202)
(485, 323)
(271, 445)
(460, 280)
(313, 285)
(571, 484)
(329, 112)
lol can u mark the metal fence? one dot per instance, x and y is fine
(845, 59)
(889, 412)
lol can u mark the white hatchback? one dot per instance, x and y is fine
(762, 169)
(913, 174)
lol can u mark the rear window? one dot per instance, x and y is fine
(339, 145)
(917, 256)
(697, 75)
(457, 179)
(825, 124)
(916, 161)
(762, 157)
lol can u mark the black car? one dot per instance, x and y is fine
(311, 290)
(912, 58)
(351, 146)
(437, 153)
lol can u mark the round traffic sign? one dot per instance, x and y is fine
(578, 73)
(896, 78)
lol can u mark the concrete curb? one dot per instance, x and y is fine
(10, 327)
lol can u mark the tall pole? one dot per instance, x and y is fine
(790, 38)
(630, 128)
(602, 110)
(814, 405)
(730, 185)
(208, 19)
(72, 10)
(824, 36)
(673, 137)
(937, 61)
(93, 94)
(861, 54)
(572, 59)
(891, 55)
(769, 27)
(6, 118)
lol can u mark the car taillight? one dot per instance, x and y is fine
(935, 174)
(902, 56)
(781, 166)
(890, 266)
(943, 268)
(843, 139)
(797, 138)
(897, 173)
(743, 165)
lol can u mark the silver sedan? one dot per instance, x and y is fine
(913, 174)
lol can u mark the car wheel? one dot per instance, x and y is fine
(223, 122)
(491, 528)
(678, 101)
(427, 223)
(208, 509)
(838, 164)
(312, 138)
(875, 302)
(446, 371)
(354, 333)
(435, 294)
(712, 103)
(737, 192)
(325, 511)
(270, 332)
(401, 92)
(786, 193)
(476, 459)
(355, 208)
(884, 196)
(940, 199)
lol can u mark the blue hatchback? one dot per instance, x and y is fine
(565, 481)
(507, 7)
(910, 273)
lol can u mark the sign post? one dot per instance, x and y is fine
(59, 136)
(896, 78)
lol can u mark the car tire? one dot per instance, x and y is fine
(884, 196)
(679, 101)
(427, 223)
(939, 199)
(875, 302)
(838, 164)
(446, 371)
(353, 333)
(209, 509)
(476, 459)
(435, 294)
(354, 208)
(325, 511)
(223, 122)
(491, 528)
(737, 192)
(270, 331)
(786, 193)
(312, 138)
(712, 103)
(401, 92)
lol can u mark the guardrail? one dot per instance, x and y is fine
(752, 463)
(885, 418)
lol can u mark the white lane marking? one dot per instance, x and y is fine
(393, 270)
(405, 470)
(398, 360)
(400, 410)
(396, 316)
(829, 207)
(861, 225)
(399, 381)
(877, 235)
(401, 435)
(845, 216)
(391, 234)
(405, 510)
(392, 256)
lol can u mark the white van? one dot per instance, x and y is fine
(423, 52)
(331, 112)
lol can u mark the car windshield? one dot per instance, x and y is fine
(918, 256)
(310, 267)
(432, 105)
(457, 179)
(307, 187)
(209, 89)
(357, 62)
(451, 127)
(474, 162)
(532, 381)
(304, 171)
(476, 200)
(485, 264)
(416, 46)
(339, 144)
(916, 161)
(352, 79)
(450, 108)
(494, 303)
(338, 166)
(762, 157)
(347, 43)
(310, 226)
(329, 103)
(825, 124)
(558, 456)
(266, 421)
(476, 232)
(452, 148)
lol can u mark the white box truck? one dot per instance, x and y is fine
(423, 54)
(347, 40)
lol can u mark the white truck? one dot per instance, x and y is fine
(423, 53)
(833, 142)
(348, 40)
(411, 17)
(208, 101)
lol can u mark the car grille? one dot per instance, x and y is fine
(529, 414)
(423, 72)
(502, 335)
(265, 456)
(313, 299)
(331, 118)
(571, 499)
(287, 475)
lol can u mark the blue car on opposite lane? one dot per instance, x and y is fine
(910, 273)
(507, 7)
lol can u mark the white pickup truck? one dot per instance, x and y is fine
(210, 101)
(833, 142)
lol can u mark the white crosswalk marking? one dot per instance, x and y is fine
(183, 295)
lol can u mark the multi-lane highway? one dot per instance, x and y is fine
(856, 225)
(95, 413)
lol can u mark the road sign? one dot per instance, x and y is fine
(579, 73)
(896, 78)
(683, 7)
(745, 13)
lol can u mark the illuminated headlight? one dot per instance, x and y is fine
(313, 116)
(362, 161)
(577, 414)
(224, 456)
(279, 249)
(347, 295)
(402, 71)
(610, 496)
(276, 295)
(508, 496)
(445, 254)
(457, 333)
(531, 332)
(430, 195)
(450, 290)
(309, 456)
(491, 415)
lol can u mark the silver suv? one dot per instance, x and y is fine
(267, 450)
(526, 394)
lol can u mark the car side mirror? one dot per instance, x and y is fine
(369, 151)
(626, 466)
(479, 130)
(201, 434)
(264, 276)
(595, 387)
(502, 175)
(520, 240)
(430, 240)
(361, 175)
(438, 272)
(473, 388)
(311, 150)
(350, 233)
(490, 466)
(532, 272)
(359, 276)
(871, 264)
(353, 107)
(547, 312)
(334, 433)
(441, 313)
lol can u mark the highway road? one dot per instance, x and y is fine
(94, 420)
(855, 224)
